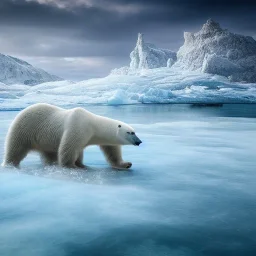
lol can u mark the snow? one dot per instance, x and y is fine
(206, 70)
(146, 56)
(218, 51)
(191, 190)
(192, 185)
(215, 64)
(162, 85)
(120, 71)
(119, 98)
(170, 62)
(212, 50)
(17, 71)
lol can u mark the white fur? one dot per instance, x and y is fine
(61, 135)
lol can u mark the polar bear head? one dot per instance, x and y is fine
(126, 135)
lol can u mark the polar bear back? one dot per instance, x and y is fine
(40, 127)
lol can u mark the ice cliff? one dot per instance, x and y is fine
(147, 56)
(212, 50)
(217, 51)
(17, 71)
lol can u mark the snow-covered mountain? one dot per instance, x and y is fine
(147, 56)
(17, 71)
(217, 51)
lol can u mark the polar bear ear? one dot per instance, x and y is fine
(119, 126)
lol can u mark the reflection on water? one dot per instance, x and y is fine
(191, 190)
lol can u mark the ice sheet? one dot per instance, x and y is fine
(148, 86)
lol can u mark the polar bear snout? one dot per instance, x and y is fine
(136, 140)
(138, 143)
(132, 138)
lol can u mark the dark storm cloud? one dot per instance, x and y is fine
(108, 28)
(96, 21)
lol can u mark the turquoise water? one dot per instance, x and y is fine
(191, 190)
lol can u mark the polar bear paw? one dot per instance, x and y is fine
(80, 165)
(123, 165)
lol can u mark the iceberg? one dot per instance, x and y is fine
(146, 56)
(215, 64)
(217, 51)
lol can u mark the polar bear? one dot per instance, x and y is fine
(61, 135)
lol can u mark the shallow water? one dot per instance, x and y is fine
(191, 190)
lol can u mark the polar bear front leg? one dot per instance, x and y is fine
(68, 150)
(113, 155)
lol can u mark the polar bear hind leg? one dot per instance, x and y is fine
(113, 155)
(15, 154)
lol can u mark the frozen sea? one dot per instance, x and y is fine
(191, 190)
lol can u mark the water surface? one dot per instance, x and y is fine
(191, 190)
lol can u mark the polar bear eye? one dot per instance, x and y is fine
(132, 133)
(119, 126)
(128, 132)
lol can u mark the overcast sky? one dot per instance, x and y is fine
(80, 39)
